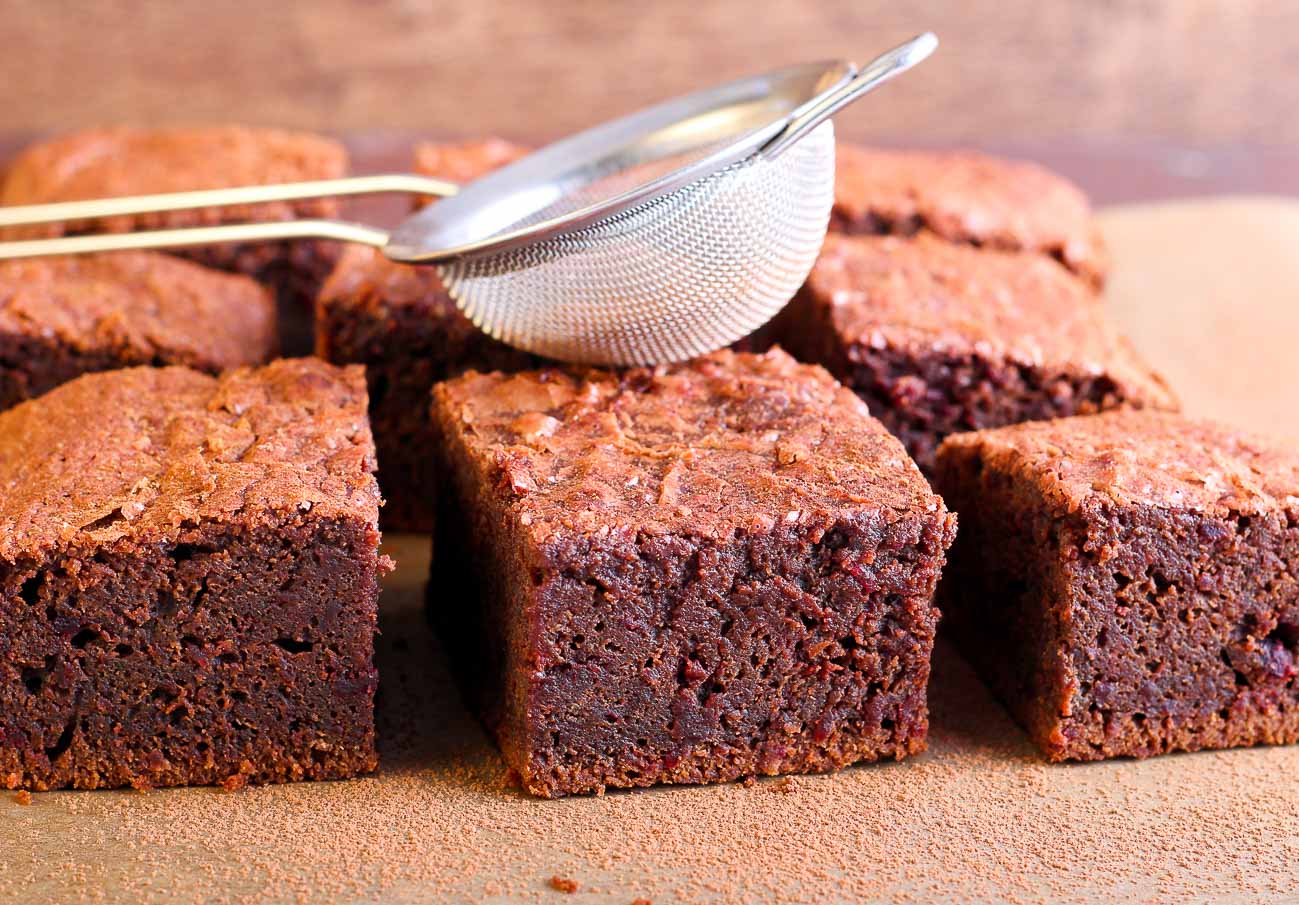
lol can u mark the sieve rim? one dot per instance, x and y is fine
(422, 238)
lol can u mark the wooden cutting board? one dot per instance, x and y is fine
(1209, 290)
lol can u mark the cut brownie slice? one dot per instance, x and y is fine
(690, 574)
(402, 325)
(189, 568)
(969, 198)
(940, 338)
(103, 163)
(63, 317)
(1128, 583)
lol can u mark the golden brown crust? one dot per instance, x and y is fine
(929, 295)
(139, 453)
(705, 447)
(106, 163)
(1144, 458)
(139, 308)
(970, 198)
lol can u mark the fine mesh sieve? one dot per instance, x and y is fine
(663, 235)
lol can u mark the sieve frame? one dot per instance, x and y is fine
(731, 123)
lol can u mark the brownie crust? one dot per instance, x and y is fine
(940, 338)
(1126, 582)
(400, 323)
(63, 317)
(189, 568)
(106, 163)
(689, 574)
(968, 198)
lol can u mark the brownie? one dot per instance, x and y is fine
(691, 574)
(189, 567)
(1128, 583)
(940, 338)
(969, 198)
(63, 317)
(399, 322)
(465, 161)
(103, 163)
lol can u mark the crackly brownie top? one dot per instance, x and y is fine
(968, 197)
(1143, 458)
(143, 306)
(726, 442)
(923, 294)
(137, 454)
(105, 163)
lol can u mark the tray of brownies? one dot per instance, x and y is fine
(899, 596)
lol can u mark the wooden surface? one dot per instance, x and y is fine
(1206, 289)
(1201, 72)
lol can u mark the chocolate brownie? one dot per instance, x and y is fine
(189, 567)
(1128, 583)
(104, 163)
(968, 198)
(940, 338)
(402, 325)
(691, 574)
(462, 162)
(62, 317)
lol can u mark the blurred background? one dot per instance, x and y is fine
(1135, 98)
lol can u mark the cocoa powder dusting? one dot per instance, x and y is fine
(979, 817)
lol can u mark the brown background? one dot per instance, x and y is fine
(1189, 72)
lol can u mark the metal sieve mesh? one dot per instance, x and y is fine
(686, 273)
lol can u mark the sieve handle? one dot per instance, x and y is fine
(406, 183)
(73, 211)
(197, 235)
(875, 73)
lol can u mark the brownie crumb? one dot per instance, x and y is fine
(23, 797)
(563, 884)
(784, 786)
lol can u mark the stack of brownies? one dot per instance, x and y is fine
(694, 573)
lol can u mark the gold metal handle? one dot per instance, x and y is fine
(198, 235)
(406, 183)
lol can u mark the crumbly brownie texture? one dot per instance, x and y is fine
(62, 317)
(402, 325)
(189, 568)
(1128, 583)
(968, 198)
(691, 574)
(104, 163)
(940, 338)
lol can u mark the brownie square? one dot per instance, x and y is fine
(105, 163)
(400, 323)
(940, 338)
(63, 317)
(1128, 583)
(970, 198)
(189, 568)
(689, 574)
